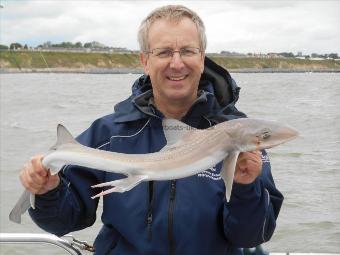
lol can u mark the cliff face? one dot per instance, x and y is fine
(278, 64)
(29, 59)
(66, 61)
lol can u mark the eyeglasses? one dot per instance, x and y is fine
(169, 53)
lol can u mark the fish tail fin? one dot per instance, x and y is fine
(32, 200)
(63, 136)
(21, 207)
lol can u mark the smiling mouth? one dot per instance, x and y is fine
(177, 78)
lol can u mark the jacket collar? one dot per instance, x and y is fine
(218, 93)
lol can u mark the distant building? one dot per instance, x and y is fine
(84, 50)
(47, 44)
(273, 55)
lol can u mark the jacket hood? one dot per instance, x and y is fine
(220, 90)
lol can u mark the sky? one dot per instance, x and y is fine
(237, 26)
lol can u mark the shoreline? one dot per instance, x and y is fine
(140, 71)
(115, 63)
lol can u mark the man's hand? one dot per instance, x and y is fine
(36, 179)
(248, 167)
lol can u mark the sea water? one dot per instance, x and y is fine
(305, 170)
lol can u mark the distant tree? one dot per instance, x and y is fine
(68, 45)
(25, 47)
(78, 45)
(95, 44)
(63, 45)
(3, 47)
(224, 52)
(15, 46)
(87, 45)
(286, 54)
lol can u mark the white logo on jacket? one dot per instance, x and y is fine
(265, 158)
(211, 174)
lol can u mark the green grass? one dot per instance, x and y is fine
(29, 59)
(276, 63)
(67, 60)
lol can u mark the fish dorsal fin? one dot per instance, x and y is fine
(175, 131)
(63, 136)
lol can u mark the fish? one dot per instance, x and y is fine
(188, 151)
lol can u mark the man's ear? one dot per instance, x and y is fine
(202, 64)
(144, 61)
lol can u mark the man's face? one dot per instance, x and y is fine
(176, 78)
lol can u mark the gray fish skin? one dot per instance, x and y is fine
(188, 152)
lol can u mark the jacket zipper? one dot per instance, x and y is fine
(150, 207)
(171, 217)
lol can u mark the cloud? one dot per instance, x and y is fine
(275, 29)
(265, 5)
(244, 26)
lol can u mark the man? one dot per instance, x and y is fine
(185, 216)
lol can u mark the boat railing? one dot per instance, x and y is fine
(73, 247)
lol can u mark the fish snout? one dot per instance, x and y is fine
(289, 133)
(282, 135)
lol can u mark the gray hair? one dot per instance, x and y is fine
(173, 13)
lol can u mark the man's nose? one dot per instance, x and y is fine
(176, 61)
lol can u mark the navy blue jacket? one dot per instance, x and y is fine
(185, 216)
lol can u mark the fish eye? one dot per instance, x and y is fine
(265, 134)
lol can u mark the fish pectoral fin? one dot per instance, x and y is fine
(228, 171)
(120, 185)
(20, 207)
